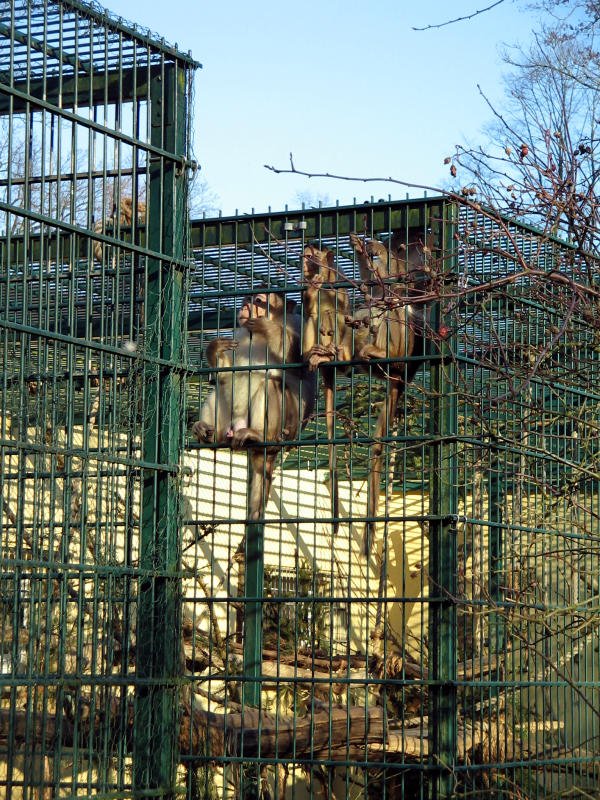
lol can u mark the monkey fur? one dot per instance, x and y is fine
(387, 329)
(249, 407)
(326, 338)
(125, 219)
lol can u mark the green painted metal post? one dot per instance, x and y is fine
(253, 613)
(443, 557)
(496, 494)
(253, 638)
(159, 603)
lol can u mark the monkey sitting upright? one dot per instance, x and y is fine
(387, 327)
(263, 403)
(327, 338)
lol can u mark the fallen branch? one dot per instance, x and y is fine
(252, 734)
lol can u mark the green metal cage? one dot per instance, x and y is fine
(94, 126)
(157, 642)
(461, 657)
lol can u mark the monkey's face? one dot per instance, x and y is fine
(374, 257)
(378, 256)
(256, 305)
(318, 265)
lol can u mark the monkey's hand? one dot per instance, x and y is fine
(262, 325)
(204, 433)
(217, 347)
(320, 354)
(244, 437)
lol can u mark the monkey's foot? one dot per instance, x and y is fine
(204, 433)
(245, 437)
(319, 354)
(369, 351)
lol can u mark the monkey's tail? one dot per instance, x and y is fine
(333, 478)
(386, 415)
(262, 477)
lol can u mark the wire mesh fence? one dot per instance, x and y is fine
(456, 654)
(302, 504)
(93, 246)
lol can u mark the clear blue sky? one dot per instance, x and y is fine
(345, 85)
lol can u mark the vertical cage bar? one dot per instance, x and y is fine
(496, 493)
(159, 606)
(443, 552)
(254, 569)
(253, 640)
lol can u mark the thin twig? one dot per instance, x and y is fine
(460, 19)
(294, 171)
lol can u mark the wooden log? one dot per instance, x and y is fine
(355, 733)
(253, 734)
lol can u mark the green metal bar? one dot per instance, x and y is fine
(31, 102)
(496, 492)
(105, 86)
(159, 605)
(39, 46)
(443, 557)
(335, 221)
(253, 640)
(131, 33)
(253, 613)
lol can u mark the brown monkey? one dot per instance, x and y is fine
(326, 338)
(253, 406)
(125, 218)
(388, 327)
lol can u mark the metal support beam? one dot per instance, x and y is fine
(443, 557)
(254, 570)
(159, 606)
(496, 494)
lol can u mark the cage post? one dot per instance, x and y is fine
(159, 605)
(496, 494)
(253, 613)
(443, 556)
(253, 640)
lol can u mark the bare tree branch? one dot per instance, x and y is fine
(460, 19)
(292, 170)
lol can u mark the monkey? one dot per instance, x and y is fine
(387, 328)
(261, 340)
(249, 407)
(326, 338)
(125, 218)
